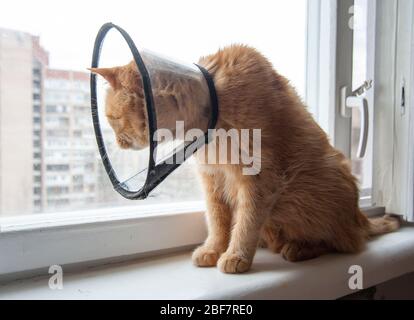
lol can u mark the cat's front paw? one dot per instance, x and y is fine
(233, 263)
(205, 257)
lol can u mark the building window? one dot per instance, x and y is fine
(77, 179)
(37, 203)
(57, 167)
(57, 190)
(57, 202)
(78, 188)
(50, 108)
(77, 133)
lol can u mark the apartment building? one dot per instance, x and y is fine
(48, 155)
(70, 154)
(22, 63)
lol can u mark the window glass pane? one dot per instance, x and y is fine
(48, 155)
(362, 71)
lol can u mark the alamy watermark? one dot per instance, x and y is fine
(234, 146)
(56, 280)
(356, 281)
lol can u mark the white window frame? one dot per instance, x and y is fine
(330, 67)
(30, 244)
(393, 150)
(410, 151)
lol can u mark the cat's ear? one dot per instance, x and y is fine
(110, 75)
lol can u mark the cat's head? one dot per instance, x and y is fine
(125, 105)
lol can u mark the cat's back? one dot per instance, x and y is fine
(252, 94)
(238, 64)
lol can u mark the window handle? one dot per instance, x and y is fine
(351, 100)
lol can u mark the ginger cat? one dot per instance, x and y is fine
(304, 201)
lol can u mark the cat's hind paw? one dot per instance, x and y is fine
(233, 263)
(295, 252)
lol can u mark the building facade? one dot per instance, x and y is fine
(22, 63)
(70, 153)
(49, 160)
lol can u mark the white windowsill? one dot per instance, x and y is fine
(29, 244)
(174, 277)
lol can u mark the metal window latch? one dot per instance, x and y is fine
(354, 99)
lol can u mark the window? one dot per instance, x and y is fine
(57, 167)
(77, 179)
(327, 77)
(363, 70)
(57, 190)
(51, 109)
(56, 203)
(66, 124)
(78, 188)
(57, 133)
(318, 55)
(77, 133)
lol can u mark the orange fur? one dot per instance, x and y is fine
(303, 203)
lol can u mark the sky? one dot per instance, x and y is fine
(185, 29)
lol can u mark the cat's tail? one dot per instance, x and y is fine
(385, 224)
